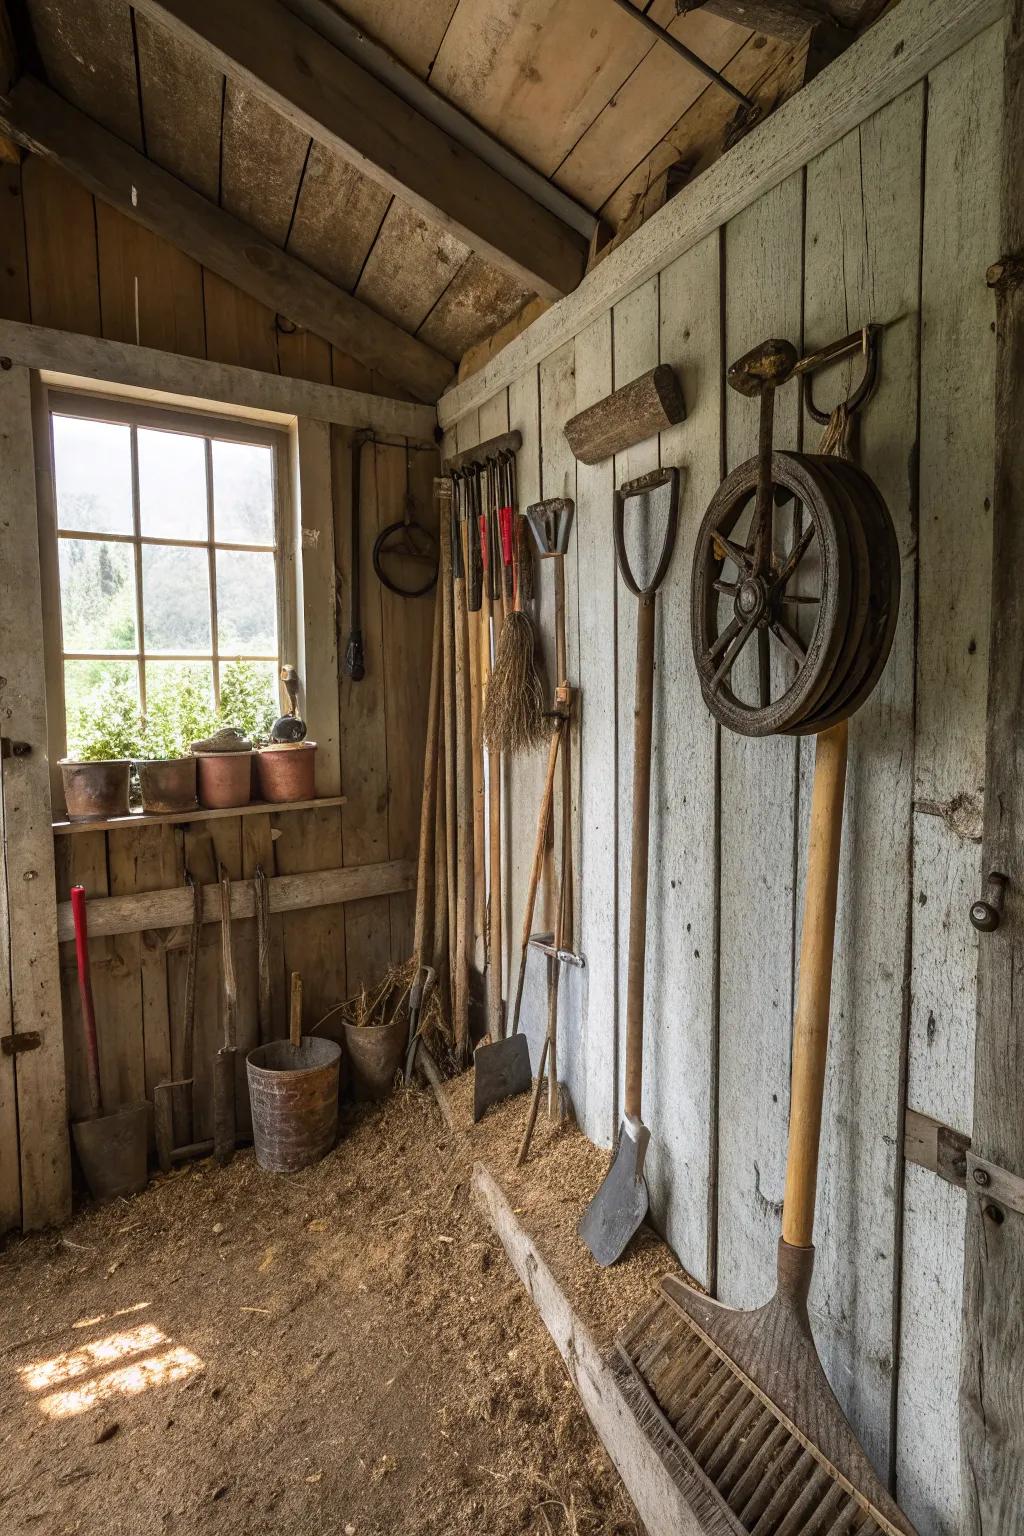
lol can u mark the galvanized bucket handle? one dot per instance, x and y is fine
(643, 486)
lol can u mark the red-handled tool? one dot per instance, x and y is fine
(92, 1051)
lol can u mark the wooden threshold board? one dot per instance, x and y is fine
(163, 818)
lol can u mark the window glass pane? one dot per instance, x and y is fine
(176, 598)
(93, 470)
(172, 485)
(179, 706)
(101, 702)
(243, 493)
(249, 696)
(97, 595)
(246, 603)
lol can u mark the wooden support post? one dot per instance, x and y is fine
(28, 896)
(992, 1397)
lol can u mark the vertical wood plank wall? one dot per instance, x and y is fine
(69, 262)
(896, 223)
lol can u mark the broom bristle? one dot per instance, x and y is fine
(513, 717)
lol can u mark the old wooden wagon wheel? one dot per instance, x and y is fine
(795, 585)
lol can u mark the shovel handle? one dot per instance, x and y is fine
(810, 1029)
(643, 721)
(631, 491)
(539, 849)
(92, 1054)
(295, 1010)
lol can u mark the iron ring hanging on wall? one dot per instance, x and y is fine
(419, 547)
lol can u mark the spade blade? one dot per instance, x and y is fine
(620, 1205)
(500, 1071)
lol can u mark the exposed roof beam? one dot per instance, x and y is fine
(276, 55)
(421, 96)
(47, 125)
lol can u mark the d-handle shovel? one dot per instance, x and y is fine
(620, 1205)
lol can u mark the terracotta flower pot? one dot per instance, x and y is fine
(93, 791)
(168, 784)
(225, 779)
(287, 771)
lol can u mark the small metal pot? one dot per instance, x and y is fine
(168, 784)
(287, 771)
(95, 791)
(374, 1053)
(225, 779)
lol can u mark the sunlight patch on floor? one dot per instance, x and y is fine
(160, 1366)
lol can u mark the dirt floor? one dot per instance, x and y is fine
(346, 1351)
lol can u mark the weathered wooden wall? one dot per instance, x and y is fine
(70, 263)
(894, 223)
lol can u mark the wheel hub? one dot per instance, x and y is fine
(751, 599)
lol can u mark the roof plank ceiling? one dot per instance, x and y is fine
(573, 87)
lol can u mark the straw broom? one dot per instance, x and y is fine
(514, 721)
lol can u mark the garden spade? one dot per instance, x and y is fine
(620, 1205)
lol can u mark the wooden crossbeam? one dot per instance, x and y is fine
(274, 54)
(287, 893)
(113, 171)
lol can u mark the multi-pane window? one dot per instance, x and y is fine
(168, 542)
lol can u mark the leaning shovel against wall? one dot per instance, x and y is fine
(620, 1205)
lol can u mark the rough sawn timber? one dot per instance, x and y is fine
(317, 88)
(639, 410)
(126, 180)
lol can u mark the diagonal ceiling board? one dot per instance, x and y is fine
(476, 302)
(697, 136)
(647, 106)
(337, 217)
(537, 74)
(412, 262)
(88, 53)
(410, 29)
(182, 101)
(121, 176)
(267, 49)
(262, 160)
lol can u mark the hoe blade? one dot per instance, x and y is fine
(618, 1209)
(500, 1071)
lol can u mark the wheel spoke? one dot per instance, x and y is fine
(730, 632)
(788, 640)
(728, 588)
(728, 549)
(764, 669)
(733, 651)
(794, 557)
(797, 597)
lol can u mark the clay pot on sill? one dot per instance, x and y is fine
(286, 771)
(168, 784)
(96, 791)
(225, 779)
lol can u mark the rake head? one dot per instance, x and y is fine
(740, 1411)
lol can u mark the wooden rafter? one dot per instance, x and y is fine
(113, 171)
(274, 54)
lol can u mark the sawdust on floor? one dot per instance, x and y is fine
(549, 1195)
(345, 1352)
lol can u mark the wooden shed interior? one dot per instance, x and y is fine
(510, 796)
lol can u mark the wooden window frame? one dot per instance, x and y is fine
(175, 417)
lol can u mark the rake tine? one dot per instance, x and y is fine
(805, 1504)
(787, 1459)
(714, 1410)
(848, 1520)
(821, 1521)
(709, 1391)
(718, 1455)
(685, 1373)
(758, 1467)
(782, 1498)
(740, 1457)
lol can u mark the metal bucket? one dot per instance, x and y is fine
(112, 1151)
(293, 1090)
(374, 1053)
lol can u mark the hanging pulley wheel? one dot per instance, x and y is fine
(796, 580)
(405, 554)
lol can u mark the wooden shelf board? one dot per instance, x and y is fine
(162, 818)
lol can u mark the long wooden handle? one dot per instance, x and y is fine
(92, 1054)
(424, 867)
(464, 827)
(227, 951)
(643, 721)
(295, 1010)
(810, 1030)
(537, 867)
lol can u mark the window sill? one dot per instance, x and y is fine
(165, 818)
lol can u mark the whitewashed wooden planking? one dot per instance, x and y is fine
(597, 879)
(960, 231)
(862, 263)
(758, 804)
(681, 935)
(634, 351)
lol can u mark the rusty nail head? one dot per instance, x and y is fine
(5, 363)
(982, 1177)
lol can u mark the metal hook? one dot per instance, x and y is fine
(864, 341)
